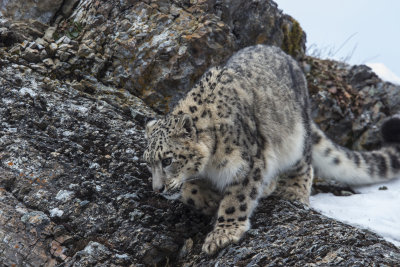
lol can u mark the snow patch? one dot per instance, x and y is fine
(372, 208)
(384, 72)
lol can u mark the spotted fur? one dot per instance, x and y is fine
(242, 130)
(358, 167)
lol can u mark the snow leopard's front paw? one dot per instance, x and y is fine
(222, 236)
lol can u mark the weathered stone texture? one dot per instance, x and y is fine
(287, 234)
(350, 103)
(158, 49)
(43, 10)
(25, 235)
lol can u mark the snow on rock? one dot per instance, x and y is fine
(375, 207)
(384, 72)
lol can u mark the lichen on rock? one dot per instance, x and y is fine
(294, 39)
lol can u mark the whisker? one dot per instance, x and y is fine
(192, 179)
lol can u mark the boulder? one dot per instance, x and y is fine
(42, 11)
(158, 49)
(350, 103)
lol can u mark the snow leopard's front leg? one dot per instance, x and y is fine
(235, 209)
(201, 195)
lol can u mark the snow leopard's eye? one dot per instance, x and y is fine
(166, 162)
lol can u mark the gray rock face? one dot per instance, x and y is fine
(350, 103)
(19, 32)
(42, 10)
(287, 234)
(73, 188)
(25, 232)
(158, 49)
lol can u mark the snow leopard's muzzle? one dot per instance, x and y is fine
(171, 190)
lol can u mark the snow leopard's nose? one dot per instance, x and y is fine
(158, 188)
(161, 189)
(158, 180)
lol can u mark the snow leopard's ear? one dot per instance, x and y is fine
(150, 125)
(185, 126)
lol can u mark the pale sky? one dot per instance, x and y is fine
(372, 27)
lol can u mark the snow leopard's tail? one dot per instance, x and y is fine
(355, 167)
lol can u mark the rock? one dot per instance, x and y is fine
(391, 96)
(305, 242)
(40, 68)
(19, 31)
(63, 40)
(361, 76)
(68, 7)
(15, 50)
(35, 218)
(43, 54)
(84, 50)
(25, 234)
(31, 55)
(42, 11)
(48, 35)
(62, 55)
(178, 40)
(53, 47)
(353, 112)
(6, 37)
(41, 42)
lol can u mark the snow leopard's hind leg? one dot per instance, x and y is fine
(296, 183)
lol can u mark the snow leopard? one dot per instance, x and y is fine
(244, 128)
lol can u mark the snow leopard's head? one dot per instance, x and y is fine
(173, 153)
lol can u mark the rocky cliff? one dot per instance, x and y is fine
(77, 81)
